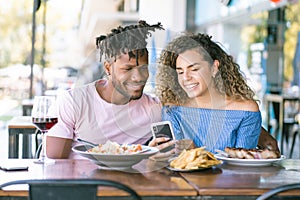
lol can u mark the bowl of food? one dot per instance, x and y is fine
(113, 155)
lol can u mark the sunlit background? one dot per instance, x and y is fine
(65, 54)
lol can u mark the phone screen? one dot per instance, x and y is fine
(163, 130)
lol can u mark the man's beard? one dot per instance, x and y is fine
(123, 91)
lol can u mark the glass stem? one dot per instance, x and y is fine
(43, 150)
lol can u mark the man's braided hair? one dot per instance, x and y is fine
(129, 39)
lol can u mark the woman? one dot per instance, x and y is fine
(205, 96)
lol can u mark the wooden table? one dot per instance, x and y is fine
(20, 125)
(143, 179)
(153, 181)
(281, 99)
(229, 180)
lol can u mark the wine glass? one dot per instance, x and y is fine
(44, 116)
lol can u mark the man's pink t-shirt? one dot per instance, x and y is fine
(82, 113)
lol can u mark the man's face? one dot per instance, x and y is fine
(128, 78)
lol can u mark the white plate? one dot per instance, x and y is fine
(116, 161)
(248, 162)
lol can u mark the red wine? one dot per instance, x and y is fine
(44, 124)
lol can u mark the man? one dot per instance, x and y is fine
(114, 109)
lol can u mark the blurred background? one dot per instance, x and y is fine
(49, 45)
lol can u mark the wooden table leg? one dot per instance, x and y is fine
(27, 146)
(13, 145)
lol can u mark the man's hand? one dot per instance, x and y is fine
(161, 142)
(266, 141)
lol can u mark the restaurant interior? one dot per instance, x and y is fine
(59, 53)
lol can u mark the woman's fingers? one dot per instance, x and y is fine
(160, 157)
(166, 144)
(167, 149)
(183, 144)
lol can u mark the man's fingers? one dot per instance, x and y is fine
(160, 140)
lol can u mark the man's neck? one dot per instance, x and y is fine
(109, 94)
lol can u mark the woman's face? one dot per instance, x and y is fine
(194, 73)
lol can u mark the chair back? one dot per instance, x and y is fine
(64, 189)
(278, 190)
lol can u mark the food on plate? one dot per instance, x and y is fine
(194, 159)
(243, 153)
(114, 148)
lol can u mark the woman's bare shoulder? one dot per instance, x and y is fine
(248, 105)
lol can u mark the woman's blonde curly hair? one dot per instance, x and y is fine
(228, 80)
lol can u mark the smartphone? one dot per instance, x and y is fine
(162, 129)
(13, 168)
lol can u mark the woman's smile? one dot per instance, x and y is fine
(191, 86)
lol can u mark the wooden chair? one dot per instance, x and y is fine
(278, 190)
(64, 189)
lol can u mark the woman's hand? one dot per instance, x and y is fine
(180, 145)
(165, 146)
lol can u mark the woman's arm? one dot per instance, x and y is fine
(249, 130)
(167, 115)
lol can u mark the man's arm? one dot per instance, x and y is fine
(266, 141)
(58, 148)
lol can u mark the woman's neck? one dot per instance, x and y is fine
(213, 100)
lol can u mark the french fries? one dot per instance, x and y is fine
(194, 159)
